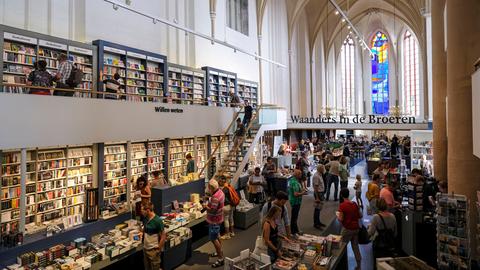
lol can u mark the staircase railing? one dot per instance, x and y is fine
(234, 148)
(222, 137)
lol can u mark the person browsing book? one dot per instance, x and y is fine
(154, 236)
(40, 77)
(112, 86)
(190, 164)
(63, 73)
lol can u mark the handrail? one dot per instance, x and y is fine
(103, 93)
(226, 133)
(220, 142)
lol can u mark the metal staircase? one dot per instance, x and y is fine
(233, 164)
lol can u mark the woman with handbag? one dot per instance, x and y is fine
(383, 228)
(349, 214)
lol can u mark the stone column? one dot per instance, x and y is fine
(439, 89)
(463, 49)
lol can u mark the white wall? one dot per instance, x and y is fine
(276, 81)
(89, 20)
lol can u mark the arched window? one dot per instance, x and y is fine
(380, 92)
(347, 58)
(410, 75)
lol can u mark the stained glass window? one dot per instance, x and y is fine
(348, 75)
(410, 74)
(380, 93)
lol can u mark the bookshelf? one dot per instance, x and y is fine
(177, 150)
(138, 163)
(422, 150)
(22, 48)
(156, 157)
(218, 86)
(248, 90)
(186, 85)
(80, 178)
(10, 193)
(142, 73)
(200, 153)
(115, 174)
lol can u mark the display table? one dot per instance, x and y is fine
(243, 220)
(162, 197)
(372, 165)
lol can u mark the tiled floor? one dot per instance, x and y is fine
(246, 239)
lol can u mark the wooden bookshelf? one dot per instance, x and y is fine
(218, 86)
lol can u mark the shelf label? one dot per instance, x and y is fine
(154, 59)
(80, 50)
(174, 69)
(198, 74)
(20, 38)
(223, 75)
(114, 50)
(188, 72)
(137, 55)
(53, 45)
(214, 72)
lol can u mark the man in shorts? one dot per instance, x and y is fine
(214, 208)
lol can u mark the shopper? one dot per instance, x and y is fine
(373, 193)
(63, 73)
(303, 165)
(142, 194)
(295, 193)
(214, 208)
(256, 183)
(386, 193)
(228, 209)
(318, 194)
(190, 164)
(234, 99)
(269, 170)
(333, 177)
(383, 228)
(343, 172)
(239, 133)
(301, 146)
(112, 86)
(154, 237)
(158, 179)
(283, 222)
(358, 191)
(270, 233)
(248, 116)
(349, 214)
(40, 77)
(380, 170)
(394, 146)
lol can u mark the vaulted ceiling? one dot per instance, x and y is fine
(321, 18)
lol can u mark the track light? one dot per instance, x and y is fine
(349, 27)
(115, 7)
(336, 12)
(154, 21)
(343, 19)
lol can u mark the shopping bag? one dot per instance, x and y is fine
(260, 247)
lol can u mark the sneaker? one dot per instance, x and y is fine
(232, 234)
(225, 237)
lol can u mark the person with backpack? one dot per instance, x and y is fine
(283, 222)
(40, 77)
(343, 172)
(349, 214)
(383, 228)
(68, 76)
(231, 200)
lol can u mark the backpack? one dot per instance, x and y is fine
(385, 239)
(234, 198)
(75, 77)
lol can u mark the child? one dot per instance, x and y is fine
(358, 191)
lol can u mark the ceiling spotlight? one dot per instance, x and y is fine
(349, 27)
(115, 7)
(350, 32)
(336, 12)
(343, 19)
